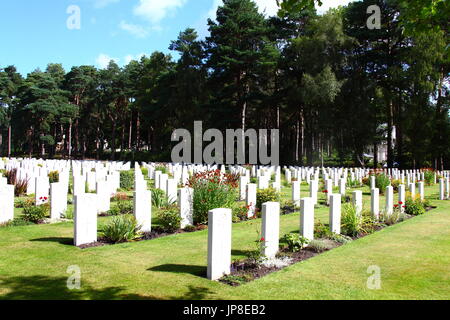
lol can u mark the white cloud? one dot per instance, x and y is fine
(103, 60)
(327, 4)
(103, 3)
(269, 7)
(134, 29)
(156, 10)
(130, 57)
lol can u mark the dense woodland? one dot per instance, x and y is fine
(331, 85)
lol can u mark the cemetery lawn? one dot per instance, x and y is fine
(413, 256)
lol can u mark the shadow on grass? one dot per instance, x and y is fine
(55, 288)
(64, 241)
(181, 268)
(194, 293)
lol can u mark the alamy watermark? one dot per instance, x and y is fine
(374, 21)
(235, 146)
(74, 20)
(374, 280)
(74, 280)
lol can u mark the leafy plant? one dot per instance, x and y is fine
(295, 242)
(121, 229)
(144, 172)
(321, 245)
(120, 196)
(240, 212)
(190, 228)
(321, 231)
(127, 180)
(415, 206)
(256, 256)
(395, 184)
(53, 176)
(161, 168)
(68, 214)
(160, 199)
(429, 177)
(20, 185)
(170, 218)
(212, 189)
(266, 195)
(353, 223)
(382, 182)
(340, 238)
(36, 214)
(23, 202)
(20, 188)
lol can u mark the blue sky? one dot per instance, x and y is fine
(35, 32)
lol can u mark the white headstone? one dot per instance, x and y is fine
(142, 209)
(219, 243)
(270, 228)
(186, 205)
(335, 213)
(307, 218)
(85, 219)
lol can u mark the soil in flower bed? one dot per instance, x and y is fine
(154, 234)
(246, 270)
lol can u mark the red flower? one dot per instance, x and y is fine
(45, 198)
(400, 202)
(404, 206)
(396, 205)
(262, 240)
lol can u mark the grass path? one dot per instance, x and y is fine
(413, 256)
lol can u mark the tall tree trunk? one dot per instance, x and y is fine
(138, 135)
(375, 155)
(69, 148)
(9, 141)
(390, 155)
(130, 133)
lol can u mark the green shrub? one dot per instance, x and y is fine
(415, 207)
(144, 172)
(190, 228)
(353, 224)
(170, 218)
(120, 196)
(340, 238)
(163, 169)
(36, 214)
(429, 177)
(114, 211)
(19, 222)
(212, 190)
(127, 180)
(320, 246)
(395, 184)
(295, 242)
(240, 212)
(121, 207)
(321, 231)
(22, 203)
(382, 182)
(266, 195)
(393, 218)
(121, 229)
(53, 176)
(159, 198)
(68, 214)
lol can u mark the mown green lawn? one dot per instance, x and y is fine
(413, 257)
